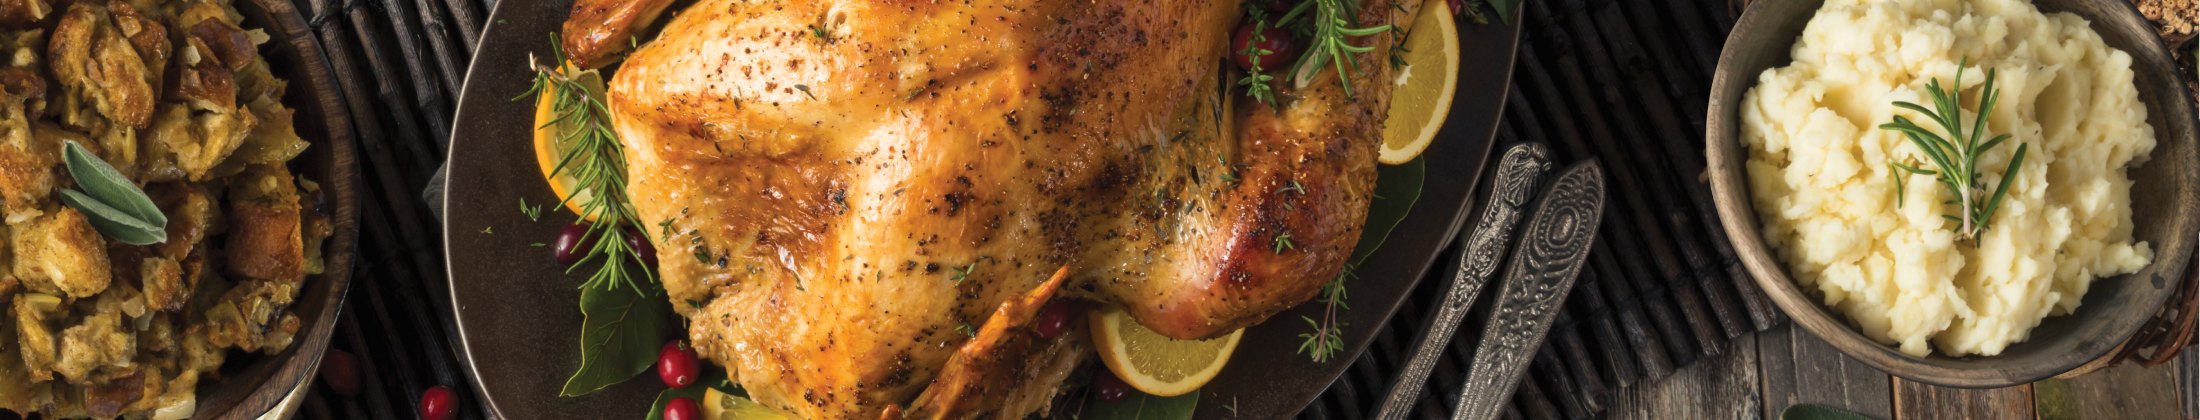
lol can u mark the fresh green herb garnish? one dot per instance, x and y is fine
(1328, 336)
(596, 160)
(960, 274)
(1283, 242)
(1957, 161)
(114, 206)
(534, 213)
(1328, 22)
(1257, 82)
(1227, 173)
(966, 330)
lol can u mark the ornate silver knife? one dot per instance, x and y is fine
(1537, 278)
(1517, 174)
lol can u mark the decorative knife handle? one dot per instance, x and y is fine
(1517, 175)
(1541, 272)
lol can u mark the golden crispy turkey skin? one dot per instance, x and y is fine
(839, 189)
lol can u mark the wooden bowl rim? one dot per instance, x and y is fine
(1738, 215)
(270, 379)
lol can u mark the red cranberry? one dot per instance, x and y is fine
(1277, 41)
(676, 364)
(340, 370)
(1109, 388)
(568, 248)
(1052, 320)
(1457, 6)
(683, 408)
(438, 403)
(640, 245)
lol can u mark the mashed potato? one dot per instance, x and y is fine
(1818, 168)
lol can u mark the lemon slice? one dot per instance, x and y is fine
(724, 406)
(1421, 95)
(548, 148)
(1155, 364)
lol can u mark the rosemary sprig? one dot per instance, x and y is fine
(1328, 336)
(958, 274)
(1328, 22)
(1957, 161)
(534, 212)
(1257, 82)
(596, 160)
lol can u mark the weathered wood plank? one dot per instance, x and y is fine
(2188, 381)
(1800, 368)
(1724, 387)
(1916, 401)
(2127, 391)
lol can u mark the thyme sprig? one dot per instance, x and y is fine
(534, 212)
(593, 156)
(1328, 22)
(1257, 82)
(1957, 161)
(1328, 336)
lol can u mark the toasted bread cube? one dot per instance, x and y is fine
(34, 337)
(59, 253)
(264, 238)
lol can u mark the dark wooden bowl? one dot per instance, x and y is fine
(2163, 206)
(252, 384)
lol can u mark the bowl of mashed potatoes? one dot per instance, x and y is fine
(2096, 225)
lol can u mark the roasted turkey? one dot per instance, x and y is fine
(858, 201)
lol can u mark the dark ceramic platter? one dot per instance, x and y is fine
(518, 311)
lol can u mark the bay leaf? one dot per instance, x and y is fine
(620, 335)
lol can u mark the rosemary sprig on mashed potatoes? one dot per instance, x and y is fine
(1957, 162)
(1896, 271)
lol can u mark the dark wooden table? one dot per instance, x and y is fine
(1766, 372)
(401, 62)
(1668, 329)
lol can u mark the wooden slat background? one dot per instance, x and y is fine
(1639, 340)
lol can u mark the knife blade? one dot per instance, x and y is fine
(1518, 173)
(1537, 278)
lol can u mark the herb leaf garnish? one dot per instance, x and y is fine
(620, 336)
(1257, 82)
(596, 160)
(114, 205)
(1329, 23)
(1956, 162)
(1328, 336)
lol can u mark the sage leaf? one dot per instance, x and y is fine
(113, 222)
(103, 183)
(621, 332)
(1818, 412)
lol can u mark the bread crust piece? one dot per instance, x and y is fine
(59, 253)
(264, 241)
